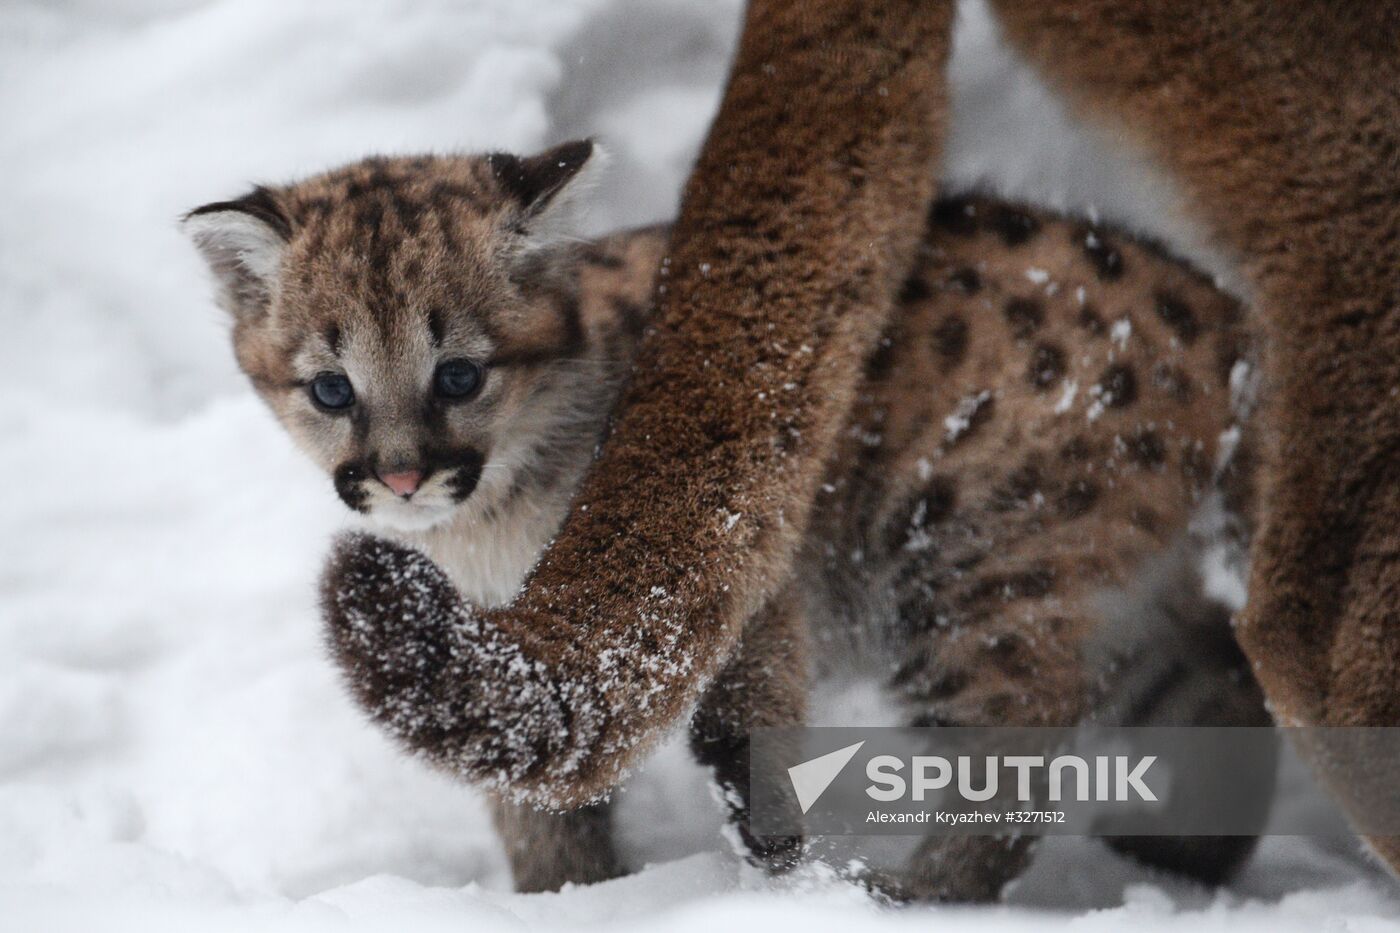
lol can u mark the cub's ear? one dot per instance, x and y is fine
(242, 241)
(544, 190)
(533, 181)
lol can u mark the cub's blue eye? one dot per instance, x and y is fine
(332, 391)
(457, 378)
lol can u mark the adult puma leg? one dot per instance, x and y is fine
(1282, 121)
(764, 685)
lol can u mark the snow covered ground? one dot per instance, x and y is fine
(175, 752)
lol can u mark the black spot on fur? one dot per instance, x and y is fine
(1017, 489)
(967, 280)
(918, 612)
(1103, 256)
(349, 481)
(1145, 448)
(1145, 518)
(1177, 315)
(1091, 321)
(881, 359)
(914, 289)
(950, 339)
(1046, 367)
(913, 517)
(1172, 381)
(333, 337)
(1024, 315)
(1076, 450)
(1010, 654)
(1013, 226)
(1118, 386)
(571, 320)
(1078, 497)
(465, 475)
(956, 215)
(437, 328)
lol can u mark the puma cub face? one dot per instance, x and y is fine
(413, 326)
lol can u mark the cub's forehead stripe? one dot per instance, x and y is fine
(437, 328)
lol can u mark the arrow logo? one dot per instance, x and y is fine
(811, 778)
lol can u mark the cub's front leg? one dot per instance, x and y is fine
(764, 685)
(548, 849)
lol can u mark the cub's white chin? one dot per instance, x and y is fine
(405, 516)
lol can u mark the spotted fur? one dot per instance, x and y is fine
(993, 476)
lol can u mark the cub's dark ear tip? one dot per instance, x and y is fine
(260, 204)
(573, 154)
(534, 180)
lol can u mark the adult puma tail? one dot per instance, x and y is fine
(801, 218)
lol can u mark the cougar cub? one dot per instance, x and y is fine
(1044, 414)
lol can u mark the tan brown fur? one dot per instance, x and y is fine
(990, 541)
(1086, 431)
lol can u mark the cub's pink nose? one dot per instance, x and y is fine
(403, 484)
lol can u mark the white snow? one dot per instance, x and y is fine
(1121, 332)
(964, 412)
(175, 751)
(1066, 400)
